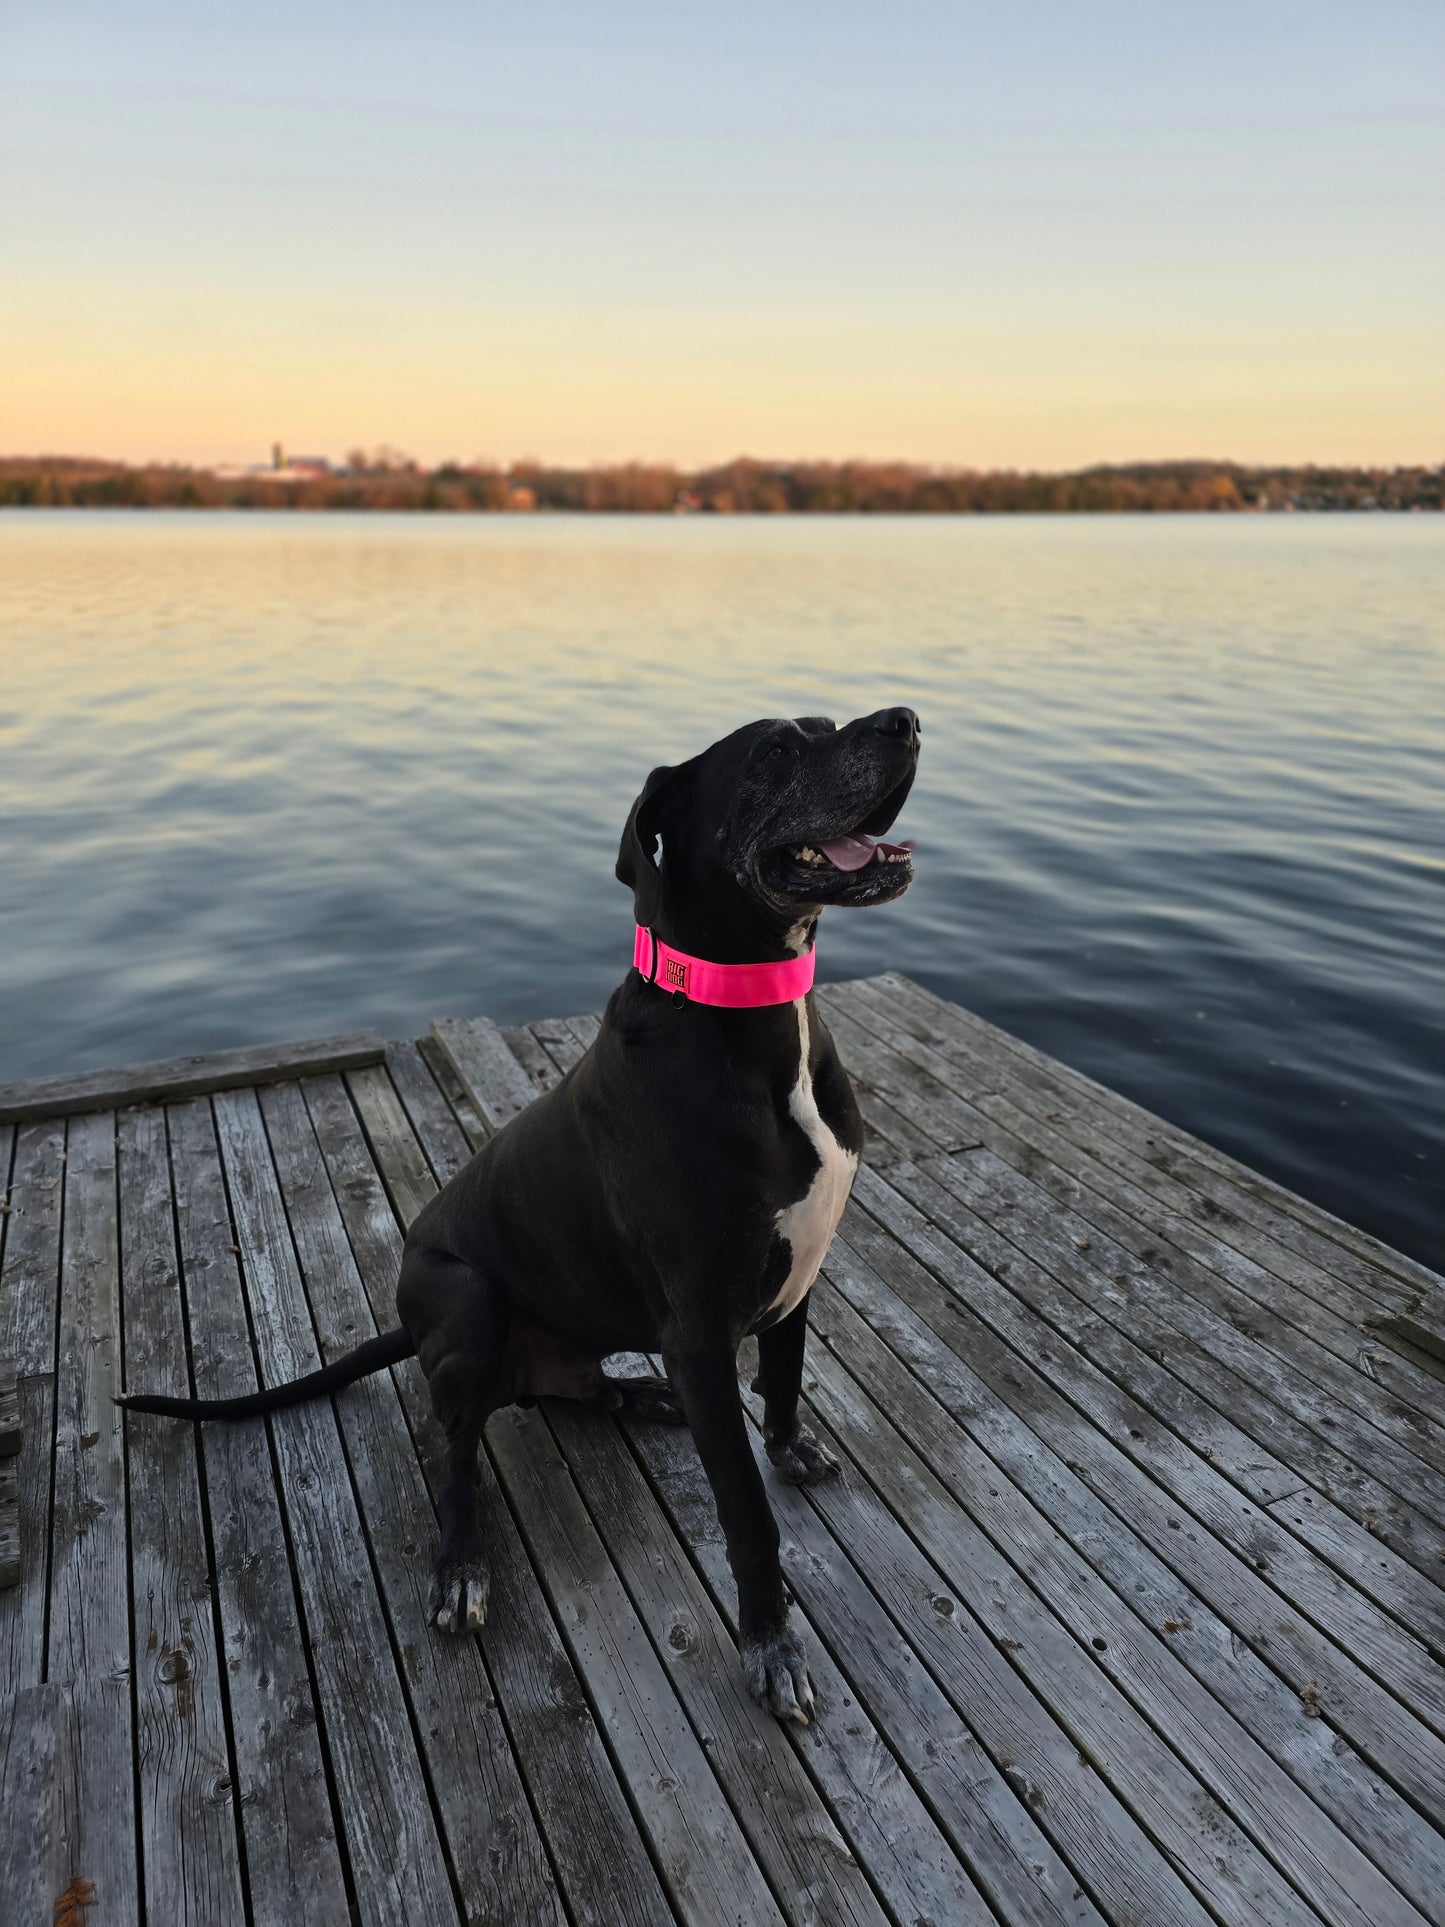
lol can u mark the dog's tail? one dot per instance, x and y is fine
(389, 1349)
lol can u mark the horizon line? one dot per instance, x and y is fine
(383, 458)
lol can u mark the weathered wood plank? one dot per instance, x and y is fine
(10, 1429)
(952, 1020)
(706, 1863)
(530, 1054)
(43, 1844)
(294, 1867)
(396, 1115)
(29, 1300)
(395, 1854)
(90, 1635)
(1250, 1743)
(1420, 1321)
(1269, 1588)
(442, 1136)
(444, 1075)
(30, 1279)
(1416, 1599)
(7, 1150)
(556, 1037)
(189, 1848)
(179, 1077)
(493, 1079)
(9, 1370)
(596, 1847)
(889, 1134)
(9, 1524)
(809, 1865)
(495, 1850)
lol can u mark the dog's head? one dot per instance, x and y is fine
(774, 823)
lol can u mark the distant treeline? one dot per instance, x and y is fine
(743, 487)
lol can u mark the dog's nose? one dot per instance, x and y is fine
(899, 722)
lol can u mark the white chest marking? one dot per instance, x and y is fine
(809, 1224)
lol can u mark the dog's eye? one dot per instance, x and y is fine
(775, 754)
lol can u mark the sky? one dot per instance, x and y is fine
(1033, 235)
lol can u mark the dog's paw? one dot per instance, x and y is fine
(458, 1602)
(650, 1398)
(803, 1461)
(777, 1676)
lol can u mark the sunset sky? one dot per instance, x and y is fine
(1035, 235)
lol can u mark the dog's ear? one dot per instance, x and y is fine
(636, 857)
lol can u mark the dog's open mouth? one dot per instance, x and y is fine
(854, 868)
(848, 866)
(852, 852)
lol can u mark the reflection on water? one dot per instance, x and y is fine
(1179, 808)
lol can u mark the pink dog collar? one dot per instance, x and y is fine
(731, 986)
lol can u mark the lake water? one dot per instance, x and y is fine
(1179, 811)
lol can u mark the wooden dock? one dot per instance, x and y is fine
(1127, 1609)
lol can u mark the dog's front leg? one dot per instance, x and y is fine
(460, 1321)
(795, 1454)
(705, 1378)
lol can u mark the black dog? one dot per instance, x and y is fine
(678, 1189)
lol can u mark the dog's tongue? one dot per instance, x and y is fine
(852, 852)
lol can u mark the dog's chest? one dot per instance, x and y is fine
(809, 1223)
